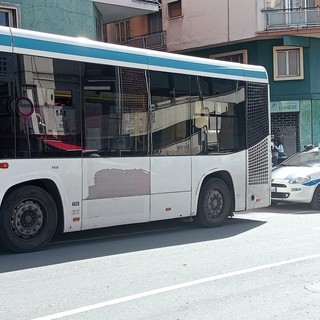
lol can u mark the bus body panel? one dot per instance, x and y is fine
(232, 164)
(170, 174)
(62, 172)
(170, 205)
(258, 197)
(115, 191)
(170, 187)
(109, 212)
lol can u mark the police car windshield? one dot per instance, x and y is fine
(304, 159)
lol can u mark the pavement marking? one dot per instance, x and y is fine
(173, 287)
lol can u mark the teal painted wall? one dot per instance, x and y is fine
(66, 17)
(305, 123)
(316, 122)
(314, 63)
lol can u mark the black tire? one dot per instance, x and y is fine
(28, 219)
(274, 203)
(315, 203)
(215, 204)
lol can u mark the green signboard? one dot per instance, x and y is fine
(285, 106)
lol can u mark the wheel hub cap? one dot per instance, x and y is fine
(215, 203)
(27, 219)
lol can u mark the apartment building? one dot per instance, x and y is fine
(281, 35)
(143, 31)
(78, 18)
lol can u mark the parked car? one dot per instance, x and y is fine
(297, 179)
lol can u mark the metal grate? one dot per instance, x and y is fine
(258, 133)
(6, 67)
(258, 163)
(257, 113)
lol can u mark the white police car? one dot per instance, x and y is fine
(297, 179)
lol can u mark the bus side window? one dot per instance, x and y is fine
(101, 105)
(170, 107)
(222, 99)
(46, 109)
(116, 111)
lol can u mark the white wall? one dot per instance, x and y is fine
(207, 22)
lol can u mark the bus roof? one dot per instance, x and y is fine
(85, 50)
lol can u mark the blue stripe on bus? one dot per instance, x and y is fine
(177, 64)
(208, 68)
(63, 48)
(48, 46)
(5, 40)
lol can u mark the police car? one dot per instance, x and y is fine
(297, 179)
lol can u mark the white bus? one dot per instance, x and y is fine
(95, 135)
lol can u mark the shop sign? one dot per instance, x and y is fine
(285, 106)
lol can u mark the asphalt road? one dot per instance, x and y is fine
(263, 264)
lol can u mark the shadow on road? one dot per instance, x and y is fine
(124, 239)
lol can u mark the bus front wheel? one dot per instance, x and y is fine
(215, 203)
(28, 219)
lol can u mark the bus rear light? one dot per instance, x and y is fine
(76, 219)
(4, 165)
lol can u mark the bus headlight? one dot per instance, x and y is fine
(300, 179)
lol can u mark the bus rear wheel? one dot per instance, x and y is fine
(215, 203)
(28, 219)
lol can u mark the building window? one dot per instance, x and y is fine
(240, 56)
(155, 22)
(288, 63)
(99, 32)
(123, 32)
(174, 9)
(8, 16)
(290, 4)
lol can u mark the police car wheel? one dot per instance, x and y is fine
(315, 203)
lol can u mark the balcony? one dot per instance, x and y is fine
(296, 18)
(154, 41)
(117, 10)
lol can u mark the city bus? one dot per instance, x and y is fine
(94, 135)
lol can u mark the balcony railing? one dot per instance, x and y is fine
(155, 41)
(292, 18)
